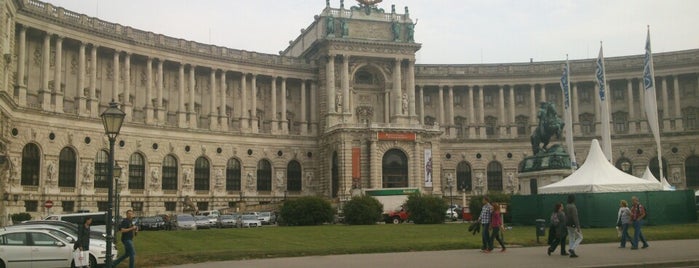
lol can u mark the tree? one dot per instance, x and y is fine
(363, 210)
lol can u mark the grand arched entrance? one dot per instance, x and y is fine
(394, 169)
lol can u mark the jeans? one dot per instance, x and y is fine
(496, 235)
(559, 239)
(129, 252)
(487, 243)
(638, 234)
(575, 237)
(625, 235)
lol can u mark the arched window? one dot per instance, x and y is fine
(654, 168)
(101, 169)
(201, 174)
(293, 176)
(137, 172)
(169, 173)
(233, 175)
(463, 176)
(494, 176)
(691, 170)
(395, 169)
(30, 165)
(625, 165)
(335, 176)
(66, 168)
(264, 175)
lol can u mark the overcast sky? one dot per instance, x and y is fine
(451, 31)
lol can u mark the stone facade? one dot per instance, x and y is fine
(343, 107)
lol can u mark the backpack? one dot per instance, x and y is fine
(554, 219)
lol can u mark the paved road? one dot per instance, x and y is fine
(670, 253)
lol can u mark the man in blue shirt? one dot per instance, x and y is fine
(127, 230)
(484, 219)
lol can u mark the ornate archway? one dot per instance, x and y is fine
(394, 167)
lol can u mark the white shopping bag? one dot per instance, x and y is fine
(81, 258)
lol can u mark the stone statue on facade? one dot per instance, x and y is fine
(330, 26)
(395, 29)
(155, 177)
(250, 181)
(338, 102)
(51, 171)
(309, 180)
(88, 173)
(280, 180)
(404, 103)
(345, 27)
(187, 177)
(411, 30)
(219, 178)
(549, 125)
(189, 205)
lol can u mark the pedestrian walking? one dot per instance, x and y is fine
(638, 214)
(497, 227)
(575, 236)
(484, 219)
(82, 245)
(128, 231)
(623, 222)
(559, 232)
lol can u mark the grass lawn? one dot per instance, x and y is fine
(158, 248)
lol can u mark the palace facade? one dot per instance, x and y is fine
(343, 108)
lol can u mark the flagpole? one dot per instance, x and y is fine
(604, 105)
(651, 100)
(565, 86)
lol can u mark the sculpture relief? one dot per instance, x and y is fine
(250, 181)
(51, 170)
(88, 173)
(280, 179)
(187, 177)
(155, 177)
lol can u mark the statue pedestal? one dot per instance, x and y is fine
(529, 182)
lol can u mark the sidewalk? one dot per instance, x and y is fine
(675, 253)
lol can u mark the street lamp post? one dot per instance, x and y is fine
(117, 176)
(112, 118)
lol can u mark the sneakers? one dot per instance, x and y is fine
(572, 253)
(548, 251)
(645, 246)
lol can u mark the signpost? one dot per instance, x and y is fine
(48, 204)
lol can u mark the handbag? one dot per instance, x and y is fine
(81, 258)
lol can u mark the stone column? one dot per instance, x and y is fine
(441, 107)
(285, 123)
(472, 122)
(181, 110)
(410, 73)
(450, 120)
(576, 113)
(481, 113)
(345, 86)
(160, 109)
(57, 75)
(191, 111)
(44, 91)
(512, 123)
(397, 96)
(533, 120)
(642, 101)
(421, 106)
(374, 165)
(128, 107)
(501, 110)
(244, 113)
(80, 98)
(94, 102)
(542, 91)
(314, 113)
(632, 116)
(115, 77)
(21, 66)
(275, 121)
(677, 104)
(222, 112)
(330, 84)
(304, 124)
(213, 115)
(253, 104)
(665, 120)
(149, 91)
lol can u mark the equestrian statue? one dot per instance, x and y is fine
(549, 125)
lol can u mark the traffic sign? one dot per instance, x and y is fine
(48, 204)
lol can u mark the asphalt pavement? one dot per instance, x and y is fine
(668, 253)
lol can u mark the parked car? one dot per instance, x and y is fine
(34, 248)
(151, 223)
(202, 222)
(98, 218)
(454, 212)
(265, 217)
(98, 247)
(185, 222)
(95, 233)
(249, 220)
(227, 221)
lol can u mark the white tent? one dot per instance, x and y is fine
(647, 175)
(597, 175)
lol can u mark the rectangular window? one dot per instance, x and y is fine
(102, 206)
(68, 206)
(428, 100)
(170, 206)
(31, 205)
(690, 121)
(618, 94)
(203, 206)
(137, 206)
(457, 100)
(585, 95)
(519, 98)
(488, 99)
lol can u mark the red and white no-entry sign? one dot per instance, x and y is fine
(48, 204)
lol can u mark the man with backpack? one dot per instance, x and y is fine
(638, 214)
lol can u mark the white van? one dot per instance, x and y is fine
(98, 218)
(213, 213)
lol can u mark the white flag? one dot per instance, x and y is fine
(650, 99)
(604, 106)
(565, 86)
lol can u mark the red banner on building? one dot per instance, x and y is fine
(393, 136)
(356, 170)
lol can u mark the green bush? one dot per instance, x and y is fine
(426, 209)
(476, 204)
(363, 210)
(308, 210)
(20, 217)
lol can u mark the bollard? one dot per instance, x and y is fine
(540, 228)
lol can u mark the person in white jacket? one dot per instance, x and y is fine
(623, 222)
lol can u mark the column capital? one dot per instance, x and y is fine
(58, 37)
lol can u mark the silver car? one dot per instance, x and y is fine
(226, 221)
(21, 248)
(249, 221)
(185, 222)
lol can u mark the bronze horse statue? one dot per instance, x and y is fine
(549, 125)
